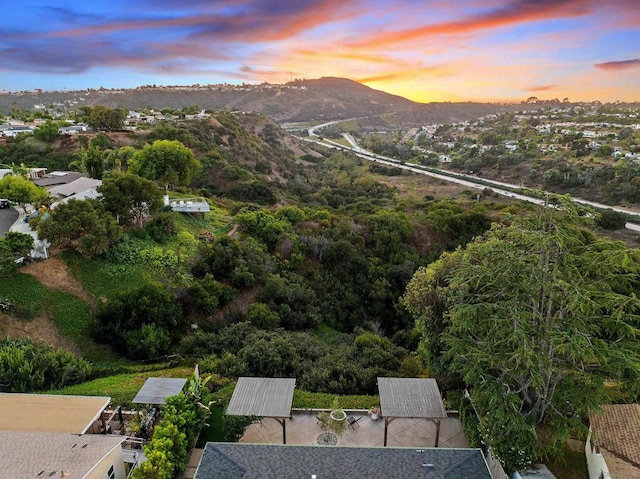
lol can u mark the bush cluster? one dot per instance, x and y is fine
(168, 452)
(27, 366)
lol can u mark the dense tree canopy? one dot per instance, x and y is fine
(535, 317)
(20, 190)
(140, 323)
(169, 162)
(130, 198)
(101, 117)
(27, 366)
(48, 131)
(83, 225)
(13, 246)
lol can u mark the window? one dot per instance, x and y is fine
(111, 474)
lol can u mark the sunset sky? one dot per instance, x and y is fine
(426, 50)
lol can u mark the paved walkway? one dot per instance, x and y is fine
(403, 432)
(194, 460)
(40, 248)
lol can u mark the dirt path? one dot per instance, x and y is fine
(54, 274)
(40, 328)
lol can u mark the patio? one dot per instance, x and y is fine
(303, 429)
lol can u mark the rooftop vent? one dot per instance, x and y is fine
(428, 468)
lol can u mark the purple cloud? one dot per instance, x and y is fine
(619, 65)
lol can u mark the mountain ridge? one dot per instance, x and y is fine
(323, 99)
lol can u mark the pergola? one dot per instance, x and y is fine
(412, 398)
(265, 397)
(155, 391)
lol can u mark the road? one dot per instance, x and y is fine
(461, 179)
(8, 216)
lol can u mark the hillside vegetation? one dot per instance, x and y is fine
(301, 269)
(324, 99)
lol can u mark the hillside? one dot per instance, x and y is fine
(322, 99)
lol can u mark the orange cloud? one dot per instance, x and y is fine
(426, 72)
(518, 11)
(542, 87)
(619, 65)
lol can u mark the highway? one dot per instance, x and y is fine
(459, 178)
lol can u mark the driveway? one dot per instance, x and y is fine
(8, 216)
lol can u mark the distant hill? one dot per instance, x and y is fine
(323, 99)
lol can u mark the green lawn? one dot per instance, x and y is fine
(74, 320)
(104, 279)
(121, 388)
(306, 400)
(26, 293)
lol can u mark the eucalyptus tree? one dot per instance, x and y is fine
(538, 317)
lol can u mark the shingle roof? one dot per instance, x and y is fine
(616, 429)
(157, 390)
(266, 397)
(49, 413)
(267, 461)
(25, 454)
(410, 397)
(58, 179)
(76, 186)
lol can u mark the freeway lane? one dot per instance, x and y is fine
(461, 179)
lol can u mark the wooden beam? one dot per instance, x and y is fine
(283, 422)
(387, 421)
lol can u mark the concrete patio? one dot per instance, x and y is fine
(303, 429)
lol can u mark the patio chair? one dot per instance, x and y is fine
(353, 421)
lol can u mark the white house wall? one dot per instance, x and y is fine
(595, 461)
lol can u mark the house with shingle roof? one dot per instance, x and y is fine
(274, 461)
(52, 436)
(33, 455)
(613, 444)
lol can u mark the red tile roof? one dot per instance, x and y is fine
(616, 430)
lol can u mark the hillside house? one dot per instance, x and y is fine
(55, 178)
(613, 443)
(13, 131)
(247, 461)
(70, 434)
(26, 454)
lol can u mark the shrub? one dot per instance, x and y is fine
(262, 317)
(27, 366)
(168, 452)
(161, 228)
(470, 423)
(234, 427)
(207, 295)
(129, 316)
(611, 220)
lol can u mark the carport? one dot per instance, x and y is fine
(264, 397)
(411, 398)
(155, 391)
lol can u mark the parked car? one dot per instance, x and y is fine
(32, 215)
(4, 203)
